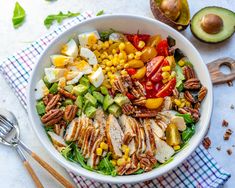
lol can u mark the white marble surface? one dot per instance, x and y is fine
(12, 172)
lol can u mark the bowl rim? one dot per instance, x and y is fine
(130, 178)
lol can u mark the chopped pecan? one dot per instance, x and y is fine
(59, 127)
(227, 134)
(140, 102)
(70, 112)
(224, 123)
(132, 170)
(193, 112)
(67, 94)
(145, 113)
(189, 72)
(128, 109)
(145, 164)
(197, 105)
(134, 161)
(189, 97)
(151, 157)
(119, 86)
(206, 143)
(202, 93)
(140, 88)
(135, 93)
(52, 117)
(47, 98)
(122, 169)
(229, 151)
(176, 93)
(126, 79)
(192, 84)
(53, 102)
(167, 105)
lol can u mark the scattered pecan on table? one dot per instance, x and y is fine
(224, 123)
(227, 134)
(206, 142)
(229, 151)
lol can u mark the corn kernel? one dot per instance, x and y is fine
(103, 146)
(104, 71)
(121, 46)
(99, 59)
(141, 44)
(177, 147)
(173, 74)
(125, 157)
(113, 69)
(123, 72)
(94, 46)
(165, 81)
(115, 61)
(102, 56)
(99, 47)
(138, 53)
(122, 62)
(109, 63)
(114, 162)
(115, 56)
(114, 51)
(126, 65)
(181, 63)
(177, 102)
(110, 42)
(121, 161)
(129, 159)
(187, 103)
(127, 151)
(131, 56)
(124, 147)
(119, 67)
(107, 69)
(182, 104)
(110, 57)
(97, 54)
(95, 67)
(104, 61)
(109, 74)
(165, 75)
(166, 68)
(99, 151)
(106, 44)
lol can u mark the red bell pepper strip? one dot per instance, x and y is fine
(162, 48)
(167, 89)
(157, 77)
(154, 65)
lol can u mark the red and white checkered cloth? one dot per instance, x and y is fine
(199, 170)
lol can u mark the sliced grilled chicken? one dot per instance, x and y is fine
(167, 105)
(94, 136)
(85, 144)
(150, 142)
(100, 121)
(156, 129)
(143, 140)
(71, 130)
(92, 161)
(132, 147)
(84, 123)
(56, 139)
(114, 135)
(164, 151)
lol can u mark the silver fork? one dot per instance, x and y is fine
(10, 136)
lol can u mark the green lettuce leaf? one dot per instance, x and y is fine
(58, 17)
(106, 167)
(18, 16)
(188, 133)
(187, 118)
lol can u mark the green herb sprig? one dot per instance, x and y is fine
(18, 15)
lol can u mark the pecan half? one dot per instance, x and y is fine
(52, 117)
(53, 102)
(145, 113)
(140, 88)
(132, 170)
(202, 93)
(128, 109)
(193, 112)
(47, 98)
(146, 164)
(70, 112)
(188, 72)
(197, 105)
(140, 102)
(126, 79)
(189, 97)
(192, 84)
(122, 169)
(59, 127)
(67, 94)
(119, 86)
(206, 143)
(176, 93)
(127, 138)
(227, 134)
(134, 161)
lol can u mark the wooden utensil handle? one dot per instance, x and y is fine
(52, 171)
(33, 175)
(217, 76)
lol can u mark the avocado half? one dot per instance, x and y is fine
(182, 21)
(213, 24)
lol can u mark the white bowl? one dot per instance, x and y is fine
(126, 24)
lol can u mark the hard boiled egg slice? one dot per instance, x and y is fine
(41, 90)
(89, 55)
(70, 49)
(61, 60)
(82, 66)
(75, 79)
(97, 77)
(88, 38)
(54, 74)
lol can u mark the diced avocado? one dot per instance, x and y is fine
(213, 24)
(104, 90)
(54, 88)
(98, 96)
(84, 81)
(108, 100)
(90, 111)
(68, 102)
(41, 109)
(115, 110)
(80, 89)
(121, 99)
(92, 88)
(91, 99)
(79, 101)
(47, 83)
(69, 88)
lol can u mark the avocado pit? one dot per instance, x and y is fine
(212, 23)
(171, 8)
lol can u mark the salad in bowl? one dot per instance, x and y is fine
(119, 103)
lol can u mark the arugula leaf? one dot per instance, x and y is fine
(66, 152)
(100, 13)
(104, 35)
(187, 118)
(18, 16)
(140, 171)
(49, 128)
(188, 133)
(106, 167)
(58, 17)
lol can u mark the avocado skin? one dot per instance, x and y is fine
(204, 40)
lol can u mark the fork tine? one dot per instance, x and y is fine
(4, 126)
(6, 121)
(3, 131)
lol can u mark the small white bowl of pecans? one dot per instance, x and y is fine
(120, 99)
